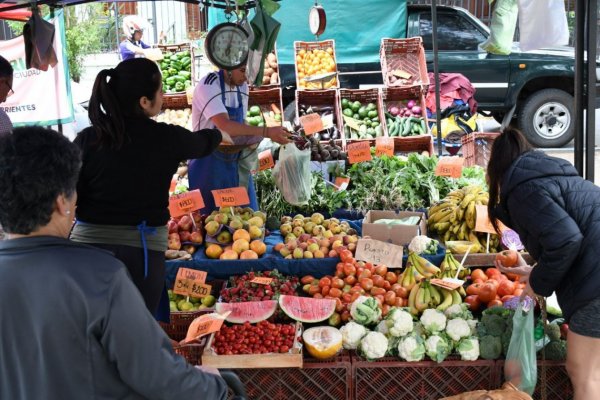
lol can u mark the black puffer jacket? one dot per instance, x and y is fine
(557, 215)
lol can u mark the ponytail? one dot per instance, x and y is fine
(116, 96)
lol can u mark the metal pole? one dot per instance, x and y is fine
(590, 129)
(438, 118)
(579, 95)
(116, 6)
(154, 22)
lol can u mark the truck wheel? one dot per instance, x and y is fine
(546, 118)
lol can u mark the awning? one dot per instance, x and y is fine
(21, 14)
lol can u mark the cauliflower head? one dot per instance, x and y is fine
(399, 322)
(468, 348)
(374, 345)
(437, 347)
(457, 329)
(411, 348)
(458, 311)
(365, 310)
(433, 320)
(352, 333)
(423, 245)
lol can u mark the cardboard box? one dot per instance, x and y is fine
(397, 234)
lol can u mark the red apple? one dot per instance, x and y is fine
(172, 226)
(185, 223)
(196, 237)
(184, 236)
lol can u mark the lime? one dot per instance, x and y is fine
(172, 295)
(356, 116)
(348, 112)
(371, 106)
(372, 114)
(356, 106)
(186, 306)
(209, 300)
(345, 103)
(362, 112)
(254, 111)
(173, 306)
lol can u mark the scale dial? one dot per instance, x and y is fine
(226, 46)
(317, 20)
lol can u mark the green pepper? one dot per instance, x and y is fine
(185, 74)
(174, 58)
(179, 78)
(186, 60)
(177, 65)
(171, 80)
(179, 87)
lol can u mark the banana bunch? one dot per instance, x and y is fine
(453, 218)
(424, 295)
(449, 267)
(417, 269)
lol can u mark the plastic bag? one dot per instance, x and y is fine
(502, 29)
(534, 30)
(456, 118)
(520, 367)
(292, 174)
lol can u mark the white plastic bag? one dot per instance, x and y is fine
(502, 28)
(542, 23)
(292, 174)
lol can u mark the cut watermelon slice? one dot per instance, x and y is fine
(307, 309)
(251, 311)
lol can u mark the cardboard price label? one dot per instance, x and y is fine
(262, 280)
(231, 197)
(342, 183)
(359, 152)
(450, 167)
(265, 160)
(377, 252)
(483, 223)
(204, 325)
(312, 123)
(185, 203)
(384, 146)
(199, 289)
(185, 279)
(351, 122)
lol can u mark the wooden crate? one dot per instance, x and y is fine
(310, 46)
(406, 55)
(364, 96)
(263, 98)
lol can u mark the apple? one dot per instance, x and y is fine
(185, 236)
(185, 223)
(196, 237)
(172, 226)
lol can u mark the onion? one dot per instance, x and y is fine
(411, 104)
(416, 110)
(394, 111)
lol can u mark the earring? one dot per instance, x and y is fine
(68, 212)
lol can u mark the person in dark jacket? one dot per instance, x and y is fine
(73, 324)
(557, 216)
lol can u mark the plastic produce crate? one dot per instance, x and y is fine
(477, 148)
(558, 384)
(407, 55)
(318, 379)
(264, 97)
(311, 46)
(390, 378)
(364, 96)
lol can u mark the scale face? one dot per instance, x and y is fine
(317, 20)
(226, 46)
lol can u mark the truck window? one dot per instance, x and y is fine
(455, 33)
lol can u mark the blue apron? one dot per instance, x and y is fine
(220, 170)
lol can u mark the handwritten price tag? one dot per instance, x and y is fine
(377, 252)
(185, 203)
(204, 325)
(342, 183)
(450, 167)
(265, 160)
(262, 280)
(351, 122)
(312, 123)
(237, 196)
(199, 289)
(483, 223)
(359, 152)
(185, 279)
(384, 146)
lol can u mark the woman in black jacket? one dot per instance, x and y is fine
(557, 215)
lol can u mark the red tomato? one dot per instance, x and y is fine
(378, 280)
(366, 283)
(474, 289)
(355, 296)
(339, 305)
(508, 258)
(399, 302)
(479, 274)
(307, 279)
(347, 297)
(506, 288)
(491, 272)
(345, 316)
(337, 283)
(493, 281)
(365, 274)
(390, 298)
(494, 303)
(487, 293)
(378, 291)
(385, 309)
(390, 277)
(478, 280)
(324, 281)
(346, 256)
(402, 292)
(350, 280)
(349, 269)
(473, 302)
(335, 292)
(381, 270)
(369, 267)
(387, 285)
(325, 290)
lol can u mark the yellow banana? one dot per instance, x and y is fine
(436, 297)
(470, 215)
(456, 299)
(428, 266)
(461, 292)
(441, 227)
(412, 299)
(420, 303)
(460, 214)
(447, 302)
(466, 200)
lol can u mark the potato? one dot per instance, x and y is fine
(268, 72)
(272, 60)
(266, 80)
(274, 78)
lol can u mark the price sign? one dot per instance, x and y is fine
(312, 123)
(342, 183)
(185, 279)
(265, 160)
(377, 252)
(450, 167)
(204, 325)
(352, 123)
(185, 203)
(359, 152)
(483, 223)
(237, 196)
(199, 289)
(262, 280)
(384, 146)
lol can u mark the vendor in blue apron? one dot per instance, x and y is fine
(221, 101)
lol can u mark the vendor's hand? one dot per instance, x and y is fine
(278, 134)
(208, 370)
(521, 268)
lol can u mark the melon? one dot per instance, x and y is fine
(251, 311)
(322, 341)
(307, 309)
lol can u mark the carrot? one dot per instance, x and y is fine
(275, 109)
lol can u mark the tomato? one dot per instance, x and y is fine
(337, 283)
(349, 269)
(494, 303)
(377, 291)
(366, 283)
(346, 256)
(345, 316)
(313, 290)
(391, 277)
(356, 289)
(339, 274)
(385, 309)
(491, 272)
(474, 289)
(381, 270)
(324, 281)
(380, 299)
(387, 285)
(370, 267)
(335, 292)
(508, 258)
(350, 280)
(479, 274)
(390, 298)
(354, 297)
(506, 288)
(518, 292)
(365, 274)
(378, 280)
(493, 281)
(473, 302)
(487, 293)
(478, 280)
(347, 297)
(308, 279)
(325, 290)
(402, 292)
(513, 277)
(399, 302)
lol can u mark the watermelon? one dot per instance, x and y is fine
(307, 309)
(251, 311)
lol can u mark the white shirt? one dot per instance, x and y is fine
(207, 100)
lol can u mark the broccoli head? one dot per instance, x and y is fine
(556, 350)
(493, 324)
(490, 347)
(553, 331)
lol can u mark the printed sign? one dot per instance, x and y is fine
(185, 203)
(342, 183)
(265, 160)
(384, 146)
(483, 223)
(359, 152)
(450, 167)
(312, 123)
(231, 197)
(204, 325)
(377, 252)
(262, 280)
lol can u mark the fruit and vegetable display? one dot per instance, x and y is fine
(259, 115)
(453, 219)
(260, 338)
(327, 114)
(365, 116)
(185, 233)
(491, 288)
(315, 62)
(405, 119)
(176, 71)
(242, 289)
(179, 117)
(178, 302)
(271, 71)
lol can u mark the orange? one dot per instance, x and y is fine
(241, 234)
(213, 251)
(248, 255)
(258, 247)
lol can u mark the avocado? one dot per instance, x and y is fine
(356, 106)
(254, 111)
(348, 112)
(345, 103)
(372, 114)
(362, 112)
(371, 107)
